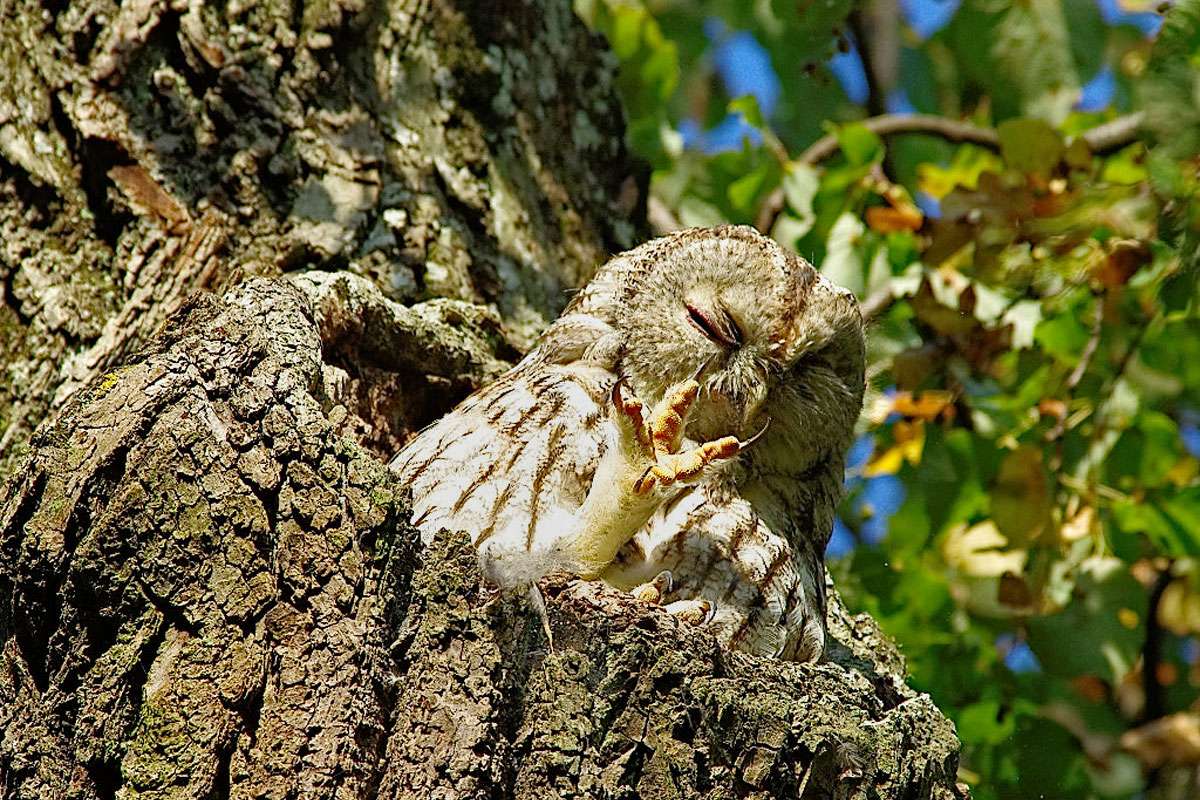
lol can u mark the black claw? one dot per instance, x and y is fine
(755, 437)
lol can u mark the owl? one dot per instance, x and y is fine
(679, 433)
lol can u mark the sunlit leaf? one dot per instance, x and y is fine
(1179, 607)
(859, 144)
(843, 262)
(1024, 317)
(981, 551)
(747, 106)
(1030, 145)
(1175, 739)
(909, 440)
(926, 405)
(968, 164)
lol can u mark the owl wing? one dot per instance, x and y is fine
(767, 595)
(514, 461)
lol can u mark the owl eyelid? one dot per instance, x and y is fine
(729, 335)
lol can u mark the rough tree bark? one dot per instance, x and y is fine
(207, 585)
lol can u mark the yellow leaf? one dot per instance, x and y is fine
(891, 220)
(964, 170)
(909, 441)
(927, 405)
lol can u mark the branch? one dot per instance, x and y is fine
(891, 124)
(662, 220)
(1114, 134)
(1101, 140)
(1154, 706)
(877, 303)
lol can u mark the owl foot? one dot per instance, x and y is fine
(652, 592)
(658, 441)
(691, 612)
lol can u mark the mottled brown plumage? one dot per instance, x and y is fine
(558, 466)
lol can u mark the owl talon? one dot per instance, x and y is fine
(692, 612)
(631, 417)
(658, 441)
(652, 592)
(670, 419)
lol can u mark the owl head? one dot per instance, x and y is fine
(772, 340)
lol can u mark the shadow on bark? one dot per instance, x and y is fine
(208, 589)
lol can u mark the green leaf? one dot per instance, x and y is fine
(982, 723)
(625, 33)
(1170, 526)
(744, 192)
(747, 106)
(1170, 88)
(859, 144)
(843, 262)
(1063, 337)
(1021, 502)
(1183, 512)
(800, 184)
(1030, 146)
(788, 230)
(1101, 632)
(1146, 452)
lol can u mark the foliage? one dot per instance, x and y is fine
(1024, 507)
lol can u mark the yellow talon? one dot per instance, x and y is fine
(666, 427)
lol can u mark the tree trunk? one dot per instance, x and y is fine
(208, 587)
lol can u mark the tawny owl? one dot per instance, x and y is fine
(678, 432)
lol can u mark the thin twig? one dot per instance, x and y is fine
(891, 124)
(1089, 350)
(877, 302)
(662, 220)
(1114, 134)
(1085, 361)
